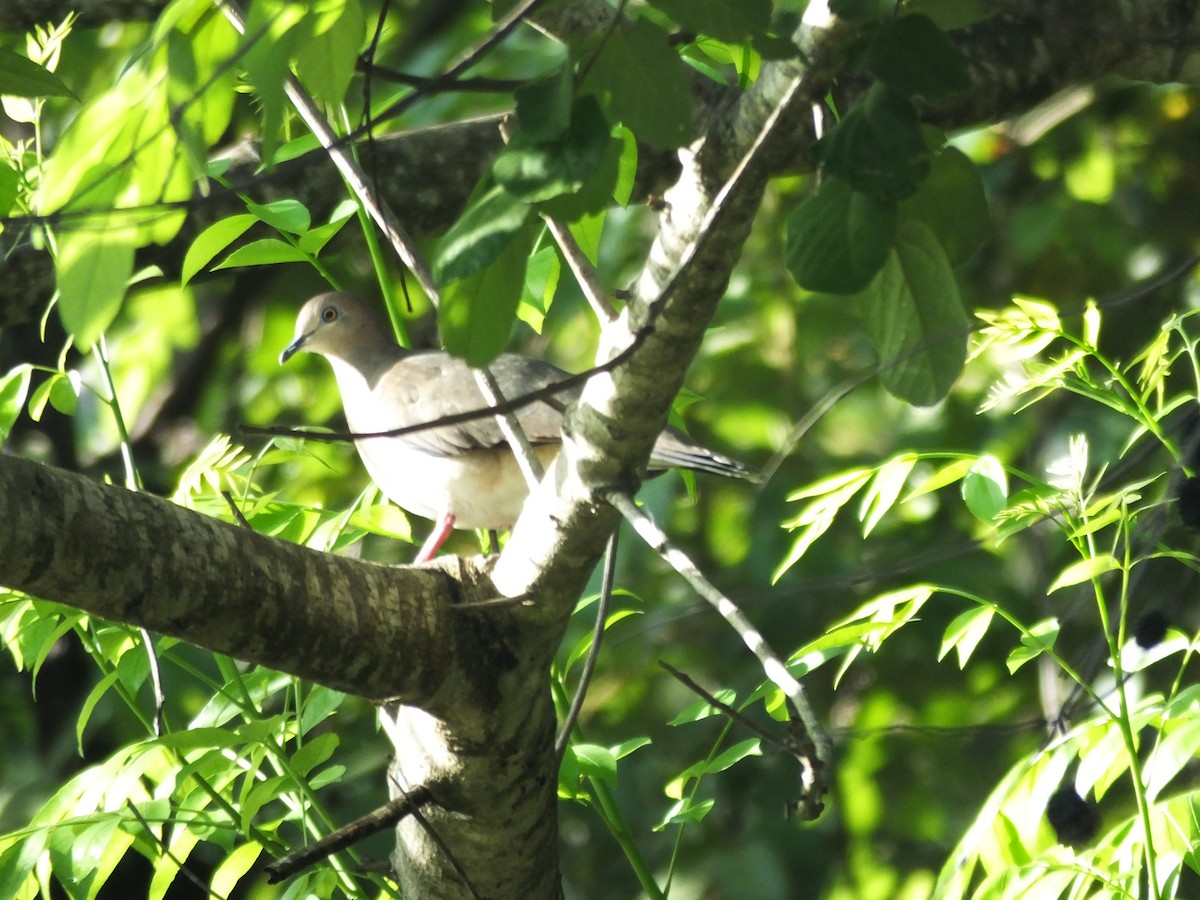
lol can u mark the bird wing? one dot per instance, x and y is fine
(434, 384)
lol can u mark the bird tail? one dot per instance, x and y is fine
(674, 450)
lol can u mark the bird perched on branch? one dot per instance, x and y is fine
(462, 475)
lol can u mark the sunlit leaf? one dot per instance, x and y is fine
(212, 240)
(480, 236)
(477, 312)
(265, 252)
(331, 51)
(93, 270)
(233, 867)
(14, 386)
(630, 61)
(284, 215)
(1034, 643)
(1084, 570)
(985, 489)
(884, 489)
(596, 761)
(965, 632)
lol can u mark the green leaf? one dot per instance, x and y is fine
(686, 812)
(641, 83)
(838, 238)
(314, 241)
(951, 14)
(1177, 749)
(1084, 570)
(814, 520)
(93, 269)
(541, 281)
(290, 216)
(14, 387)
(183, 841)
(270, 39)
(626, 165)
(94, 696)
(539, 170)
(885, 487)
(726, 20)
(915, 318)
(21, 77)
(385, 519)
(61, 390)
(862, 10)
(946, 475)
(267, 252)
(544, 106)
(331, 51)
(212, 240)
(233, 868)
(1034, 643)
(104, 859)
(913, 56)
(596, 761)
(729, 757)
(477, 313)
(10, 184)
(952, 203)
(965, 633)
(17, 862)
(699, 710)
(878, 147)
(480, 236)
(623, 749)
(985, 489)
(313, 753)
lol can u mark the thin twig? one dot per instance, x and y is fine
(589, 664)
(160, 699)
(438, 84)
(510, 427)
(747, 723)
(815, 771)
(166, 851)
(466, 61)
(436, 838)
(581, 268)
(347, 835)
(238, 515)
(350, 170)
(512, 403)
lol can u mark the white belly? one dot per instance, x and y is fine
(481, 489)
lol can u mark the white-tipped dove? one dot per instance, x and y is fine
(464, 475)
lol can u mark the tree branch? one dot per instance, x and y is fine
(139, 559)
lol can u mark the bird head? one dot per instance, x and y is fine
(331, 325)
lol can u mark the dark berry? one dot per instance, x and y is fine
(1074, 820)
(1150, 629)
(1189, 502)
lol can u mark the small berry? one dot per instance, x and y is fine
(1189, 502)
(1150, 629)
(1074, 820)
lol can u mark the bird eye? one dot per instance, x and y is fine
(329, 314)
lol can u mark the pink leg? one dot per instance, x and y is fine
(436, 538)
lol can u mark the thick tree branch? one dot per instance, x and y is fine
(139, 559)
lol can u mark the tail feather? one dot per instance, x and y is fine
(674, 450)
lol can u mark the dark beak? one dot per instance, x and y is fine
(292, 349)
